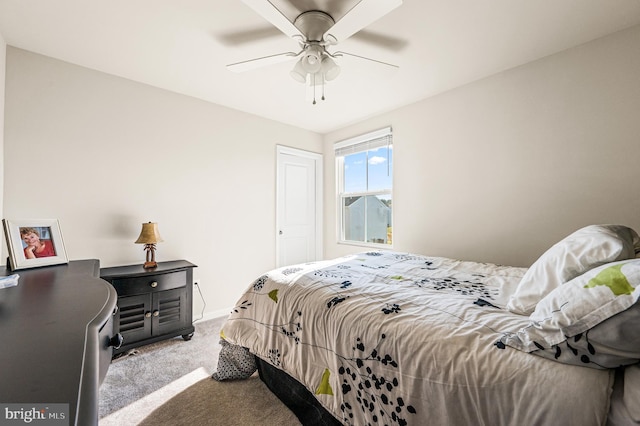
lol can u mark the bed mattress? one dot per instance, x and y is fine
(397, 338)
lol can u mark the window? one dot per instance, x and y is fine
(364, 166)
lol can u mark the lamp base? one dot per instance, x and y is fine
(151, 256)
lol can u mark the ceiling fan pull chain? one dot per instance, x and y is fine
(323, 87)
(314, 88)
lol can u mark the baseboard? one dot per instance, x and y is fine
(211, 315)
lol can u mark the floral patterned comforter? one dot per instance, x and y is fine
(397, 338)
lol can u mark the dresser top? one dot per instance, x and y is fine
(139, 270)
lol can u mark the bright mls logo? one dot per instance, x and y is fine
(36, 414)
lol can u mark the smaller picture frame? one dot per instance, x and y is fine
(34, 242)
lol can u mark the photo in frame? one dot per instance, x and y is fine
(34, 242)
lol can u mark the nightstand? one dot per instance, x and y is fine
(153, 304)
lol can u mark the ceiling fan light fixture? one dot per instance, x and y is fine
(312, 59)
(298, 72)
(311, 65)
(329, 68)
(315, 31)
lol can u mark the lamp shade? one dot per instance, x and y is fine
(149, 234)
(312, 59)
(298, 73)
(329, 68)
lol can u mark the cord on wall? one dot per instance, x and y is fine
(204, 304)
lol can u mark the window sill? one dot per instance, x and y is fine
(368, 245)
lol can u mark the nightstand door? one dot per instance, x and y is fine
(170, 311)
(133, 317)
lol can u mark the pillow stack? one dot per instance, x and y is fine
(585, 249)
(591, 320)
(582, 300)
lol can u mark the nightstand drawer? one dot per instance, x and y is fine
(149, 283)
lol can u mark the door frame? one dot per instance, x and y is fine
(317, 158)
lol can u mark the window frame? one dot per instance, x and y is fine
(341, 150)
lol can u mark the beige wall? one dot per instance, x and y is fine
(494, 171)
(104, 154)
(500, 169)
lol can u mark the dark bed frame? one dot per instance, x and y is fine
(295, 396)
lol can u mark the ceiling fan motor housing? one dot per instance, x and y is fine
(313, 24)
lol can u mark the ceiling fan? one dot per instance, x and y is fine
(316, 31)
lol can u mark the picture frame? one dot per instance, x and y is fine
(34, 242)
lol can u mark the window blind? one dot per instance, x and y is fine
(377, 139)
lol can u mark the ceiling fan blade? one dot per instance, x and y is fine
(268, 11)
(238, 38)
(261, 62)
(362, 14)
(375, 61)
(380, 40)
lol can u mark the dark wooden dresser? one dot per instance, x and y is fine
(57, 331)
(153, 304)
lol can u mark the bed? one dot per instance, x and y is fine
(385, 337)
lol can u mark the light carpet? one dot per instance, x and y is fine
(136, 412)
(196, 399)
(169, 383)
(148, 368)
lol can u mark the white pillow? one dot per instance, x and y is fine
(581, 251)
(579, 305)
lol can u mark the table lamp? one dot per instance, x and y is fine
(149, 236)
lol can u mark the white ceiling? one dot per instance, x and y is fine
(184, 45)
